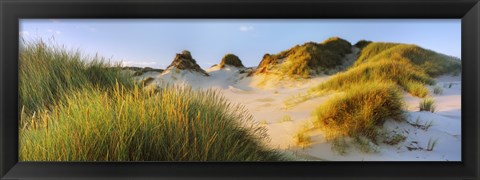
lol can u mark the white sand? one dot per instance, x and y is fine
(267, 107)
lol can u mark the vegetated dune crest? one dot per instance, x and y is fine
(284, 90)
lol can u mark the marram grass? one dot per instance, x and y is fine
(370, 92)
(75, 108)
(306, 60)
(432, 63)
(401, 72)
(360, 111)
(170, 124)
(409, 66)
(48, 73)
(427, 104)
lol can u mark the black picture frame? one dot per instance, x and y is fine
(466, 10)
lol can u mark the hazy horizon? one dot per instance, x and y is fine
(154, 43)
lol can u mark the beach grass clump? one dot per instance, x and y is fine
(427, 104)
(362, 43)
(438, 90)
(372, 49)
(78, 108)
(364, 144)
(432, 63)
(432, 143)
(395, 139)
(304, 61)
(416, 88)
(286, 118)
(359, 111)
(409, 66)
(340, 145)
(172, 123)
(47, 73)
(302, 139)
(402, 73)
(264, 122)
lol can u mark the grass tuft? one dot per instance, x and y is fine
(48, 73)
(304, 61)
(395, 139)
(427, 104)
(430, 62)
(302, 139)
(437, 90)
(191, 125)
(402, 73)
(286, 118)
(360, 111)
(340, 145)
(431, 144)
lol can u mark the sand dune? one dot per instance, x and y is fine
(266, 106)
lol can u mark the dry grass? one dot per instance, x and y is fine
(93, 125)
(402, 73)
(302, 139)
(286, 118)
(430, 62)
(427, 104)
(360, 111)
(77, 111)
(438, 90)
(303, 61)
(47, 74)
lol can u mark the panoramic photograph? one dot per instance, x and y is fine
(234, 90)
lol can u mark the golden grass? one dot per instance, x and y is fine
(286, 118)
(427, 104)
(170, 124)
(430, 62)
(303, 61)
(402, 73)
(77, 111)
(47, 73)
(359, 111)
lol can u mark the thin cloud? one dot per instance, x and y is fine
(246, 28)
(54, 31)
(24, 33)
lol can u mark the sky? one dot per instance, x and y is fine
(154, 42)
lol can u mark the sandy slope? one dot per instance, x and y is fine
(267, 107)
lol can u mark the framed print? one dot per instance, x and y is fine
(239, 89)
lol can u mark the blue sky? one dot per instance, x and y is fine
(154, 43)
